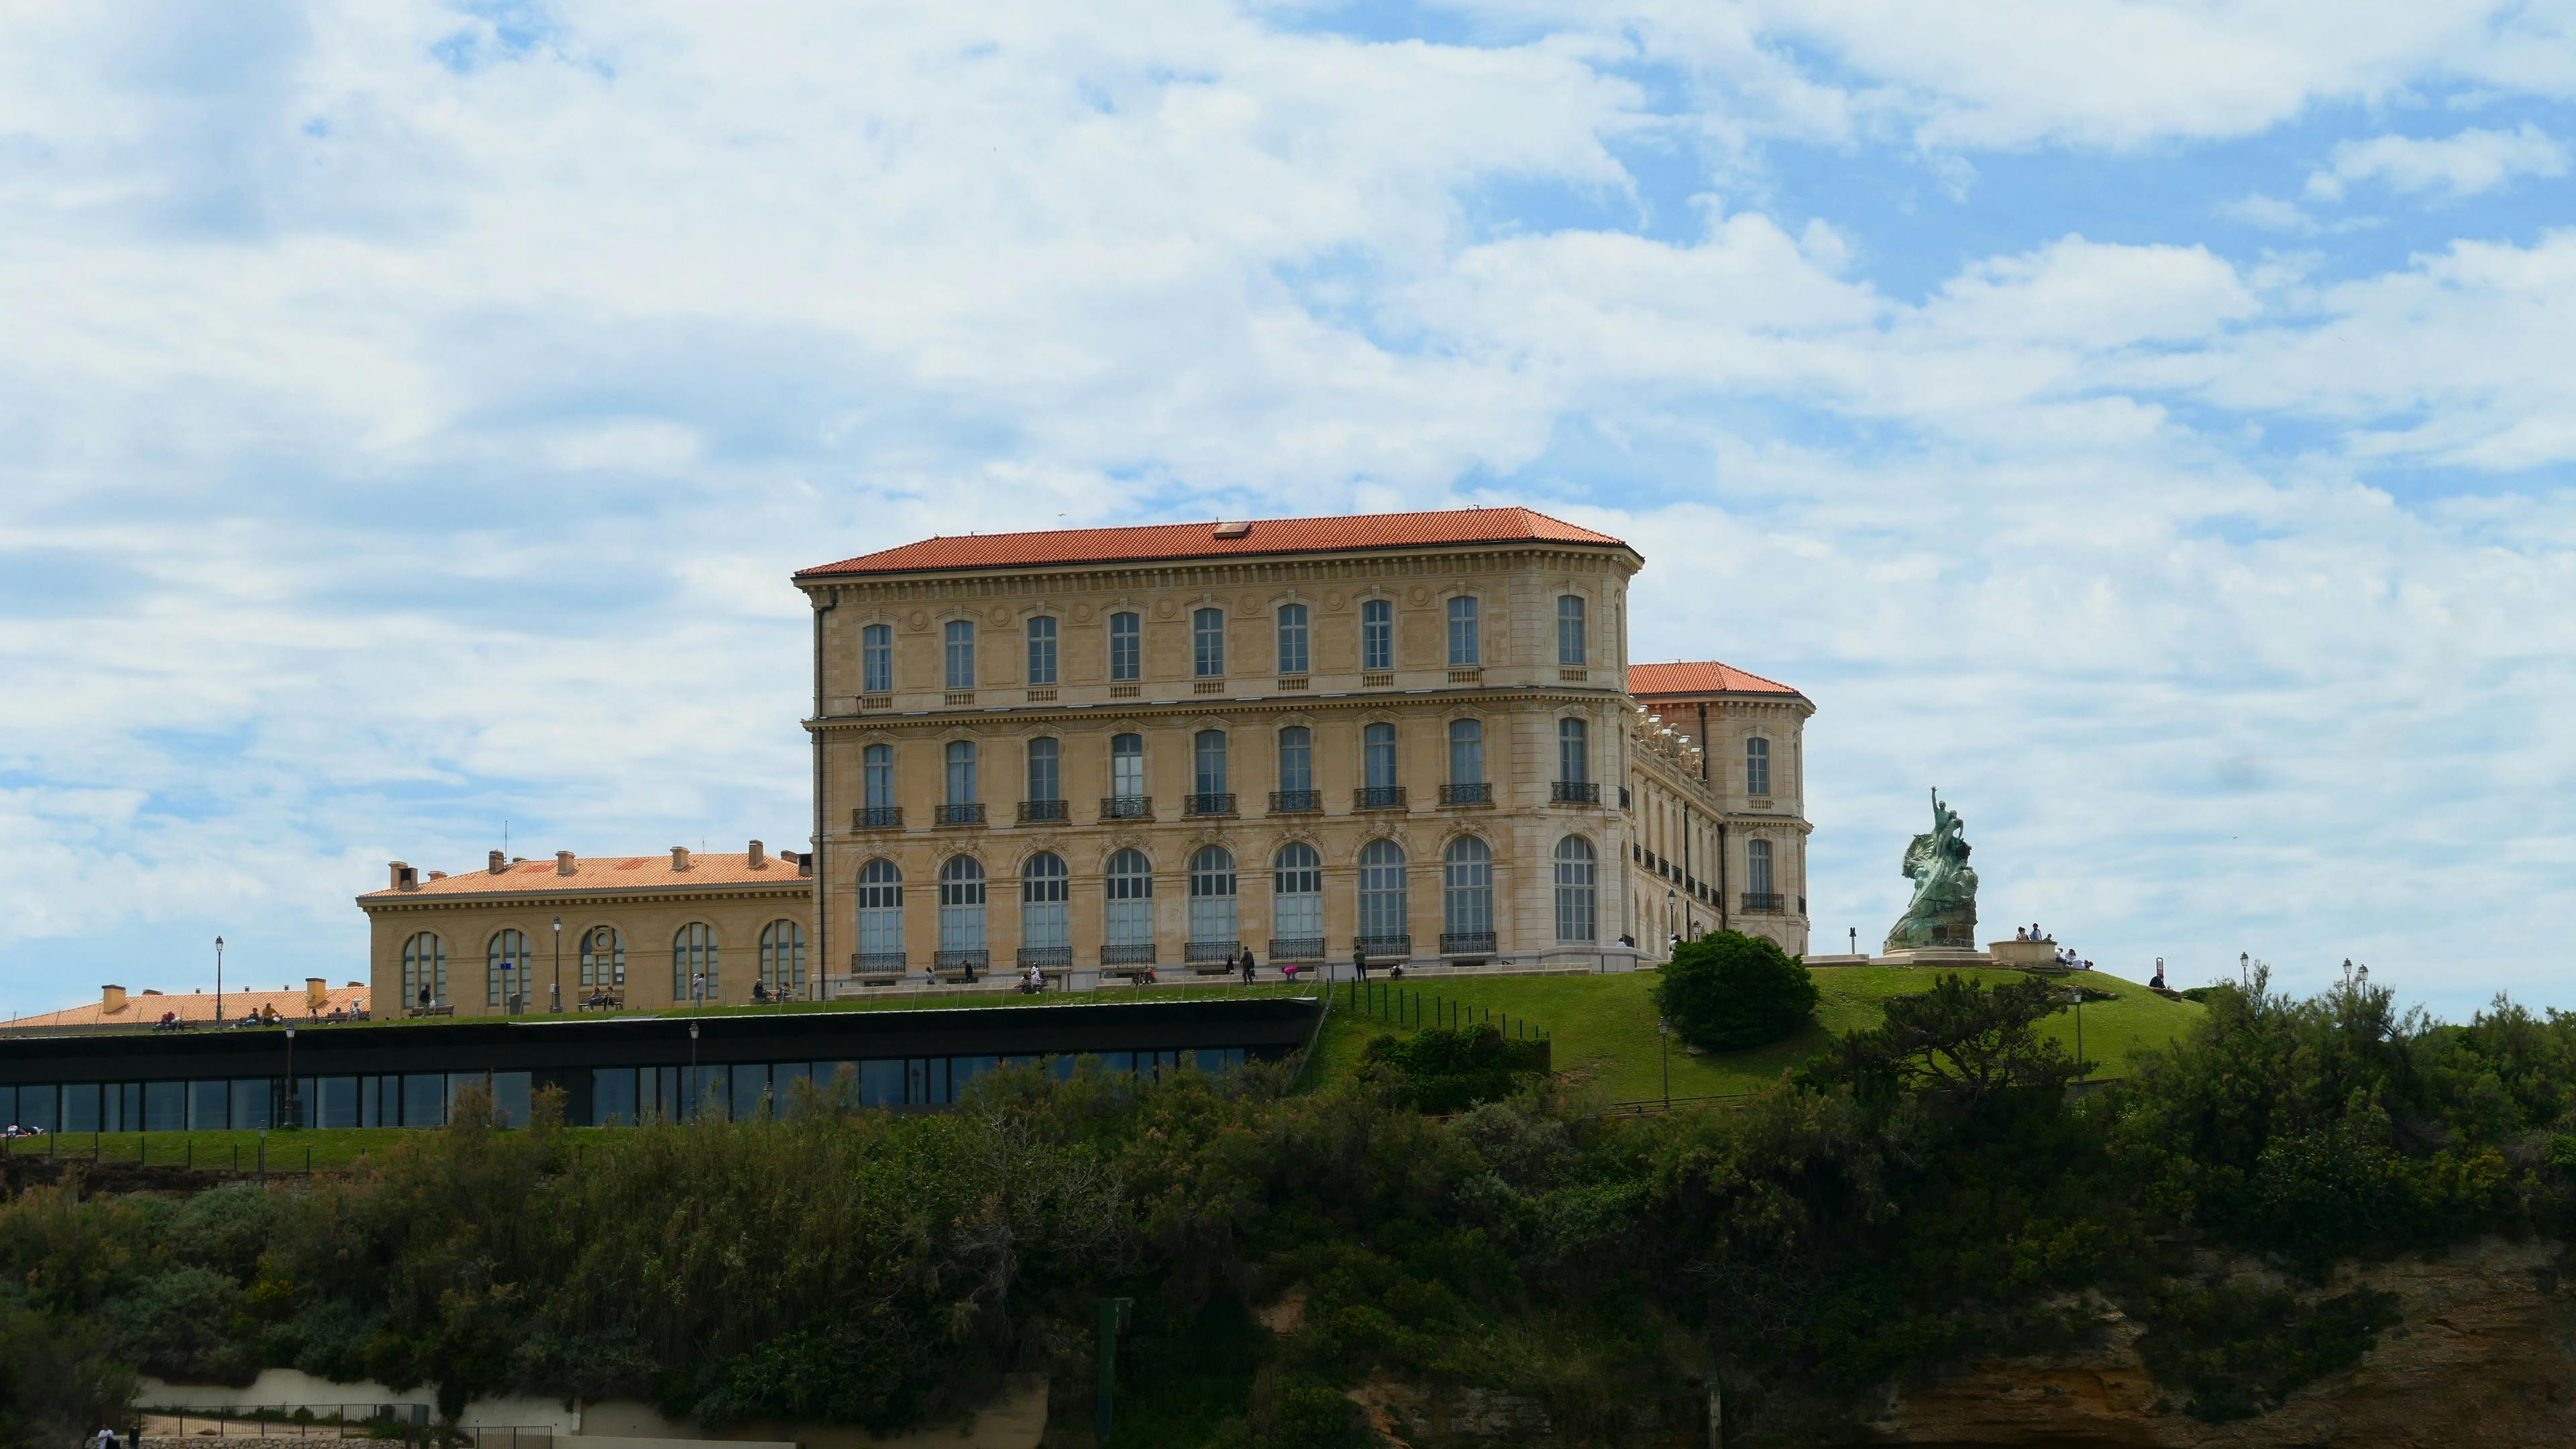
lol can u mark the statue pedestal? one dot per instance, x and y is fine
(2025, 955)
(1934, 956)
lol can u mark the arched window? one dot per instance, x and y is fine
(603, 957)
(693, 964)
(1212, 916)
(1207, 643)
(961, 904)
(1569, 630)
(1126, 646)
(961, 772)
(424, 966)
(876, 659)
(1573, 751)
(1757, 767)
(1292, 638)
(1467, 895)
(1046, 922)
(1463, 644)
(1127, 767)
(1129, 884)
(1377, 756)
(1042, 649)
(961, 654)
(1757, 867)
(876, 776)
(881, 911)
(1377, 634)
(1577, 916)
(1297, 764)
(1046, 777)
(1382, 917)
(782, 957)
(1297, 897)
(1466, 752)
(506, 960)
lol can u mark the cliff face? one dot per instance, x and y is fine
(2484, 1358)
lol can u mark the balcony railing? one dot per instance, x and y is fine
(877, 963)
(968, 960)
(1467, 943)
(1220, 804)
(1479, 793)
(1375, 946)
(1127, 807)
(1296, 948)
(1195, 952)
(1046, 958)
(877, 817)
(1038, 812)
(1140, 954)
(1296, 802)
(1378, 797)
(1761, 903)
(1574, 792)
(962, 814)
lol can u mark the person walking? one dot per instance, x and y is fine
(1246, 964)
(698, 988)
(1359, 961)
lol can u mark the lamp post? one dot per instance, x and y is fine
(1664, 1041)
(290, 1077)
(557, 1007)
(219, 981)
(1669, 902)
(693, 1103)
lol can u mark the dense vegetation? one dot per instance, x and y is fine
(1727, 991)
(1919, 1192)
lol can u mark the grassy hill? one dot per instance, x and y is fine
(1604, 1026)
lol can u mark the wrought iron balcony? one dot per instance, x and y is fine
(1296, 948)
(961, 814)
(1127, 807)
(1037, 812)
(969, 960)
(1575, 792)
(877, 963)
(1296, 802)
(1138, 954)
(1467, 943)
(1195, 952)
(1480, 792)
(1219, 804)
(877, 817)
(1046, 958)
(1761, 903)
(1376, 946)
(1378, 797)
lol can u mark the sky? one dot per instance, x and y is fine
(2150, 424)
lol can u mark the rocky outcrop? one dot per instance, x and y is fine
(2484, 1357)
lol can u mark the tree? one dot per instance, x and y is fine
(1728, 990)
(1959, 1043)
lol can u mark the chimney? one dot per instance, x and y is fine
(111, 998)
(679, 857)
(438, 875)
(317, 993)
(563, 862)
(404, 877)
(495, 864)
(759, 857)
(805, 864)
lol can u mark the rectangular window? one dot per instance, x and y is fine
(1126, 646)
(876, 659)
(1462, 633)
(961, 654)
(1127, 767)
(1757, 767)
(877, 776)
(1569, 629)
(612, 1097)
(1296, 758)
(1209, 754)
(1042, 650)
(1377, 749)
(1466, 752)
(207, 1105)
(961, 772)
(510, 1093)
(165, 1106)
(1377, 634)
(750, 1085)
(1207, 643)
(36, 1107)
(80, 1107)
(881, 1083)
(336, 1101)
(250, 1101)
(424, 1100)
(1292, 639)
(1045, 777)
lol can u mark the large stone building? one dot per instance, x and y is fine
(1102, 750)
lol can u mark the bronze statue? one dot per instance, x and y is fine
(1944, 909)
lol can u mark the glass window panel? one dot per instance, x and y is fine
(881, 1084)
(1127, 766)
(961, 654)
(424, 1100)
(510, 1098)
(877, 659)
(877, 776)
(1382, 906)
(1207, 643)
(1042, 650)
(335, 1102)
(8, 1106)
(1126, 646)
(165, 1106)
(1377, 743)
(1757, 866)
(1463, 643)
(784, 1079)
(1466, 752)
(80, 1107)
(710, 1093)
(1573, 750)
(1569, 629)
(1296, 758)
(36, 1106)
(1208, 753)
(612, 1097)
(1046, 780)
(964, 1070)
(666, 1088)
(961, 772)
(1576, 907)
(208, 1105)
(251, 1098)
(1467, 886)
(1377, 634)
(1757, 767)
(1292, 639)
(750, 1084)
(1212, 896)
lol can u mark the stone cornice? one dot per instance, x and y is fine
(789, 889)
(1547, 694)
(1354, 565)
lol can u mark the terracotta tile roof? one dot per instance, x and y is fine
(1201, 540)
(145, 1007)
(601, 873)
(1705, 676)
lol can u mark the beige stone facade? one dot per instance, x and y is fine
(1708, 855)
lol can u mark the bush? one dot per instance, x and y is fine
(1443, 1069)
(1727, 991)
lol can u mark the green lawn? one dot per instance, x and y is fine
(331, 1149)
(1603, 1027)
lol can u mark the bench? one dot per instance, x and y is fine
(613, 1001)
(429, 1011)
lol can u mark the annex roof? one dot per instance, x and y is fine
(1704, 676)
(600, 873)
(1343, 534)
(143, 1008)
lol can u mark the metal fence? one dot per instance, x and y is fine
(406, 1423)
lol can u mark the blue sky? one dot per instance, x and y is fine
(2151, 424)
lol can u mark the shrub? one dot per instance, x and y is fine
(1443, 1069)
(1727, 991)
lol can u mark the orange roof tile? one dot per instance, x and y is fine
(1342, 534)
(602, 873)
(143, 1008)
(1705, 676)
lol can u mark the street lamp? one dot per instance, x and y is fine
(219, 981)
(1669, 899)
(290, 1077)
(557, 991)
(693, 1104)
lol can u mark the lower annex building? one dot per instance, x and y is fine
(1413, 736)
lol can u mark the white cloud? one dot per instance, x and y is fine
(2271, 213)
(2463, 165)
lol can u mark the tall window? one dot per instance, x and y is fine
(1757, 767)
(1042, 649)
(1573, 750)
(1377, 634)
(1207, 752)
(1130, 888)
(1577, 915)
(1377, 755)
(876, 659)
(1292, 638)
(1462, 633)
(1207, 643)
(424, 963)
(1467, 887)
(1126, 646)
(693, 950)
(1466, 752)
(876, 776)
(961, 772)
(782, 958)
(961, 904)
(1297, 893)
(1296, 758)
(1569, 629)
(1212, 919)
(603, 957)
(880, 909)
(1382, 889)
(1757, 867)
(1046, 779)
(505, 967)
(1046, 922)
(961, 654)
(1127, 766)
